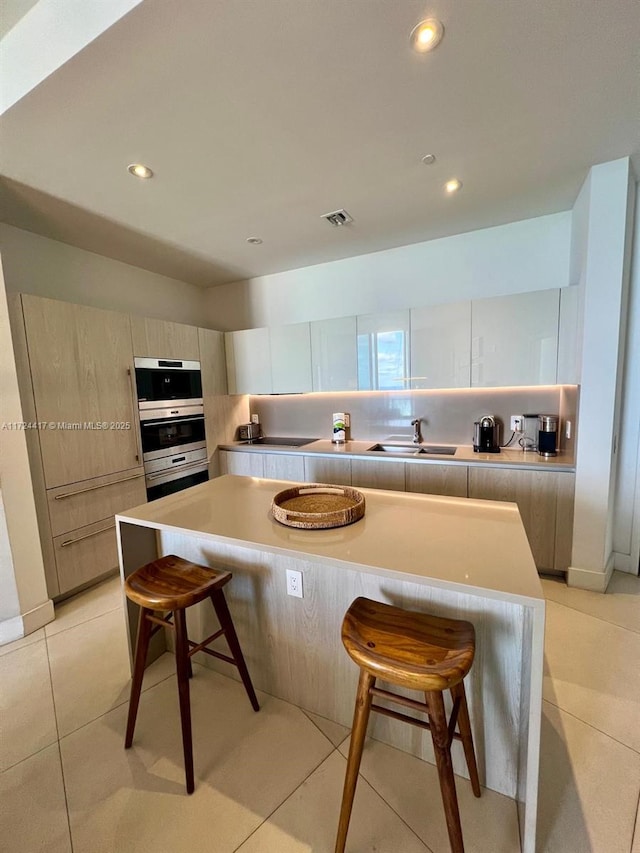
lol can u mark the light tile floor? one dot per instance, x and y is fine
(271, 782)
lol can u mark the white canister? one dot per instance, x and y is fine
(340, 425)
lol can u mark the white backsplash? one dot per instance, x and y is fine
(447, 415)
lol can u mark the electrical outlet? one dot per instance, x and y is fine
(567, 429)
(255, 419)
(517, 423)
(294, 583)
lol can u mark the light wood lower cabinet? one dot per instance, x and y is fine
(564, 520)
(83, 503)
(85, 554)
(545, 501)
(242, 464)
(277, 466)
(319, 469)
(375, 474)
(448, 480)
(82, 525)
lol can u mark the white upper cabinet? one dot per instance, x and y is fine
(248, 355)
(334, 364)
(441, 346)
(500, 341)
(514, 339)
(290, 358)
(383, 351)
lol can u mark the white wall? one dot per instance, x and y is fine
(22, 570)
(515, 258)
(44, 267)
(9, 603)
(603, 253)
(626, 530)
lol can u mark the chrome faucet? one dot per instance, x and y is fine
(417, 438)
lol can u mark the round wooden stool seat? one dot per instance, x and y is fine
(422, 652)
(172, 583)
(410, 649)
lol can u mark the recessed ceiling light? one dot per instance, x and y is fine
(429, 159)
(139, 170)
(255, 241)
(426, 35)
(453, 185)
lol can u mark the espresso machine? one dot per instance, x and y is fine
(486, 435)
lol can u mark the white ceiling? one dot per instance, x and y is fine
(257, 116)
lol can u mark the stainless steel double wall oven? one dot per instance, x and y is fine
(171, 424)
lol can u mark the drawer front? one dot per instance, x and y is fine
(318, 469)
(371, 474)
(449, 480)
(79, 504)
(85, 554)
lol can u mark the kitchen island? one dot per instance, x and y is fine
(452, 557)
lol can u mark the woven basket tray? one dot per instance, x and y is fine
(318, 506)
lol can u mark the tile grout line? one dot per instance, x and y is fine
(595, 728)
(360, 776)
(636, 827)
(335, 746)
(584, 613)
(115, 707)
(288, 797)
(55, 716)
(82, 622)
(31, 755)
(400, 818)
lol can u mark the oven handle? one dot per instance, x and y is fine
(202, 464)
(170, 420)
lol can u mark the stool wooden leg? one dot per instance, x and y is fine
(226, 623)
(442, 749)
(358, 732)
(142, 647)
(182, 665)
(464, 724)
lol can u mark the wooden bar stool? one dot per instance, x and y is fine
(424, 653)
(173, 584)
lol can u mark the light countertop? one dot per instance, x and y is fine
(474, 546)
(464, 455)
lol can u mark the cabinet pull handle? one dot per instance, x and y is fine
(93, 488)
(199, 463)
(86, 536)
(166, 422)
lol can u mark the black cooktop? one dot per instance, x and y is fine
(278, 441)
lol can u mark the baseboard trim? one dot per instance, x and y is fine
(596, 581)
(39, 616)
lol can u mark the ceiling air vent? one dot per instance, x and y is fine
(338, 217)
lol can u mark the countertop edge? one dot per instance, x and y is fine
(250, 491)
(358, 450)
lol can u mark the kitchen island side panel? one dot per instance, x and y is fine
(294, 651)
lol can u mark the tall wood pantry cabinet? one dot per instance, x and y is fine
(75, 364)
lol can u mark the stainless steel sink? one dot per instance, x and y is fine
(413, 449)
